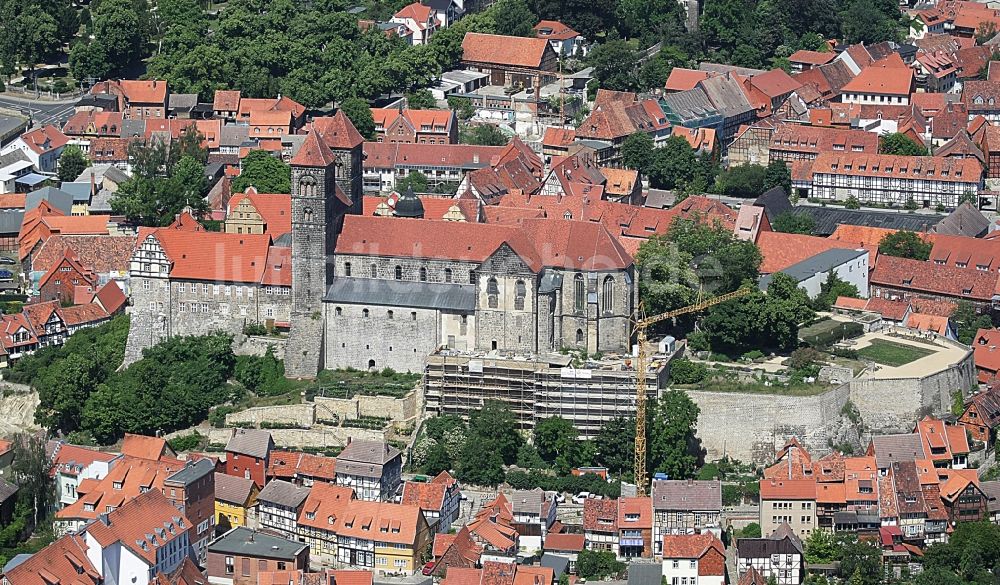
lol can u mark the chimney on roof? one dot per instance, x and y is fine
(251, 536)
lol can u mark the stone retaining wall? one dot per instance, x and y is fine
(303, 415)
(315, 438)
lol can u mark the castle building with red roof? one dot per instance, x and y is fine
(415, 126)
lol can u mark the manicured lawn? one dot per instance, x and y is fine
(889, 353)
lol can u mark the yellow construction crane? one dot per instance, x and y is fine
(641, 324)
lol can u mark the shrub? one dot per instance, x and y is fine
(698, 341)
(684, 371)
(752, 355)
(217, 418)
(187, 442)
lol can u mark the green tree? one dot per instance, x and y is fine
(72, 162)
(870, 21)
(30, 471)
(413, 180)
(910, 205)
(462, 106)
(684, 371)
(777, 174)
(38, 39)
(120, 31)
(480, 466)
(266, 173)
(745, 181)
(968, 321)
(438, 460)
(638, 151)
(554, 436)
(161, 185)
(901, 144)
(673, 165)
(852, 202)
(514, 18)
(759, 321)
(421, 100)
(673, 448)
(614, 65)
(494, 428)
(62, 390)
(360, 114)
(615, 445)
(791, 222)
(860, 561)
(483, 135)
(830, 290)
(595, 565)
(905, 244)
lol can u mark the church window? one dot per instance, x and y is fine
(374, 271)
(364, 313)
(472, 277)
(307, 186)
(347, 268)
(579, 294)
(399, 272)
(423, 274)
(608, 294)
(492, 293)
(413, 316)
(307, 214)
(579, 335)
(338, 311)
(388, 315)
(447, 274)
(519, 294)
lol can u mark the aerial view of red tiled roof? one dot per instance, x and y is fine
(338, 132)
(64, 561)
(698, 138)
(144, 92)
(274, 208)
(554, 30)
(600, 515)
(862, 164)
(504, 50)
(816, 139)
(278, 271)
(788, 489)
(811, 57)
(428, 496)
(558, 137)
(313, 152)
(932, 323)
(691, 546)
(102, 253)
(12, 200)
(83, 314)
(550, 242)
(415, 11)
(94, 122)
(420, 120)
(214, 256)
(71, 459)
(931, 278)
(565, 542)
(774, 83)
(635, 513)
(890, 76)
(326, 505)
(145, 447)
(781, 250)
(226, 100)
(142, 525)
(681, 79)
(44, 139)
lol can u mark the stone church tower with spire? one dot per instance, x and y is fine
(326, 185)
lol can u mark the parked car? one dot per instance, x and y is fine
(428, 568)
(581, 497)
(7, 261)
(560, 498)
(6, 275)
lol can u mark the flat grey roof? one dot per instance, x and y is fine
(424, 295)
(822, 262)
(249, 543)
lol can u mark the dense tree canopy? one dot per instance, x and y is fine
(673, 448)
(905, 244)
(760, 320)
(791, 222)
(266, 173)
(72, 162)
(359, 113)
(901, 144)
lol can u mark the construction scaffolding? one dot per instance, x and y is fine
(536, 387)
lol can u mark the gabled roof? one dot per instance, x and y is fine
(44, 139)
(313, 152)
(691, 546)
(338, 132)
(142, 525)
(283, 494)
(63, 562)
(933, 278)
(251, 442)
(426, 496)
(275, 209)
(233, 490)
(325, 505)
(144, 447)
(144, 91)
(554, 30)
(504, 50)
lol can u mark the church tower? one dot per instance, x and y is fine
(326, 185)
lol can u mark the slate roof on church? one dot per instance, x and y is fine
(426, 295)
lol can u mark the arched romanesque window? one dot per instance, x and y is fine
(519, 293)
(364, 313)
(399, 273)
(608, 294)
(579, 294)
(307, 214)
(579, 336)
(374, 271)
(492, 293)
(307, 186)
(423, 274)
(447, 274)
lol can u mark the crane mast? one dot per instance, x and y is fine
(641, 324)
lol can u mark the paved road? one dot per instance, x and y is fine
(41, 111)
